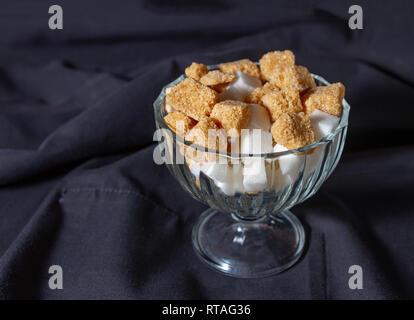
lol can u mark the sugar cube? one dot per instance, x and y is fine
(297, 77)
(323, 123)
(232, 116)
(196, 70)
(275, 59)
(240, 88)
(254, 174)
(192, 98)
(206, 134)
(293, 130)
(255, 141)
(235, 182)
(216, 77)
(289, 164)
(259, 118)
(327, 99)
(256, 95)
(179, 122)
(244, 65)
(282, 101)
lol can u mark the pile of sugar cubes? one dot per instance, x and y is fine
(247, 109)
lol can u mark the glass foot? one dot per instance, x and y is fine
(248, 249)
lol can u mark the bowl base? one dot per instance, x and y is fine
(248, 249)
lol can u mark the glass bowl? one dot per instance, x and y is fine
(251, 234)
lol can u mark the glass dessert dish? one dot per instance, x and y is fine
(252, 233)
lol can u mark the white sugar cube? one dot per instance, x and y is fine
(259, 118)
(290, 164)
(235, 149)
(277, 180)
(323, 123)
(246, 83)
(240, 88)
(228, 178)
(234, 183)
(256, 141)
(237, 176)
(254, 174)
(314, 159)
(216, 171)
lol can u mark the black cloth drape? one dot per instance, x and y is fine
(78, 185)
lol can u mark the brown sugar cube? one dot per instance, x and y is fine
(256, 95)
(168, 107)
(179, 122)
(327, 99)
(199, 134)
(282, 101)
(192, 98)
(293, 130)
(207, 134)
(275, 59)
(244, 65)
(220, 87)
(232, 115)
(297, 77)
(196, 70)
(217, 77)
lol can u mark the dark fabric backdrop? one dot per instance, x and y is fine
(79, 188)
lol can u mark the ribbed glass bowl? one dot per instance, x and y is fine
(252, 234)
